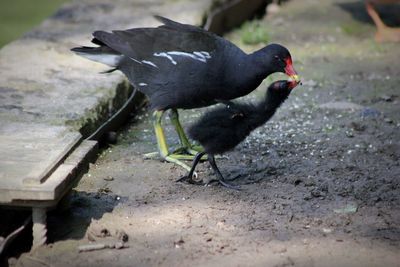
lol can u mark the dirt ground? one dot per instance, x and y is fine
(320, 181)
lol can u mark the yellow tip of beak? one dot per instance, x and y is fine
(295, 78)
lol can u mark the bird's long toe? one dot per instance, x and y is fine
(184, 153)
(224, 184)
(189, 180)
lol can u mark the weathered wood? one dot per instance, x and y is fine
(30, 157)
(58, 183)
(56, 151)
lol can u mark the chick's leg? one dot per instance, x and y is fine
(189, 178)
(221, 178)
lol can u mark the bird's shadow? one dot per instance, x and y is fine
(78, 213)
(255, 171)
(389, 13)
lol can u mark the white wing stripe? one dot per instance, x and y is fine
(163, 54)
(201, 56)
(149, 63)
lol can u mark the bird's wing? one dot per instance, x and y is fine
(237, 110)
(143, 43)
(167, 23)
(175, 65)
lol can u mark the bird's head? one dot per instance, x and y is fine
(284, 85)
(282, 61)
(280, 90)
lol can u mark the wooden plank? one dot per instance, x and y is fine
(59, 182)
(29, 153)
(56, 153)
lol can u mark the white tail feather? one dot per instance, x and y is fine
(107, 59)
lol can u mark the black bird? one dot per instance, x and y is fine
(183, 66)
(223, 128)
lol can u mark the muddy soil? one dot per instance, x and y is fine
(320, 181)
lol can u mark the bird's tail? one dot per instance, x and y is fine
(102, 54)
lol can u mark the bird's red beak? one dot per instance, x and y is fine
(289, 70)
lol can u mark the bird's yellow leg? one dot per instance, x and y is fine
(187, 147)
(162, 144)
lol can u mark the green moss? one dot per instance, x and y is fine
(254, 33)
(106, 107)
(354, 28)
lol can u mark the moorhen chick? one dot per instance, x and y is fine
(223, 128)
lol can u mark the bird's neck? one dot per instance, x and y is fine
(273, 100)
(260, 64)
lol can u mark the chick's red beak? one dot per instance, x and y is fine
(289, 70)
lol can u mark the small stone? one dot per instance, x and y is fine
(109, 178)
(388, 120)
(97, 230)
(179, 243)
(317, 193)
(122, 236)
(357, 127)
(279, 249)
(327, 230)
(387, 98)
(349, 134)
(91, 237)
(104, 190)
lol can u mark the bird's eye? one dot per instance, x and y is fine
(277, 58)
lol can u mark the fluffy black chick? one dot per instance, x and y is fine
(223, 128)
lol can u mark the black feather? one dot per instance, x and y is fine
(223, 128)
